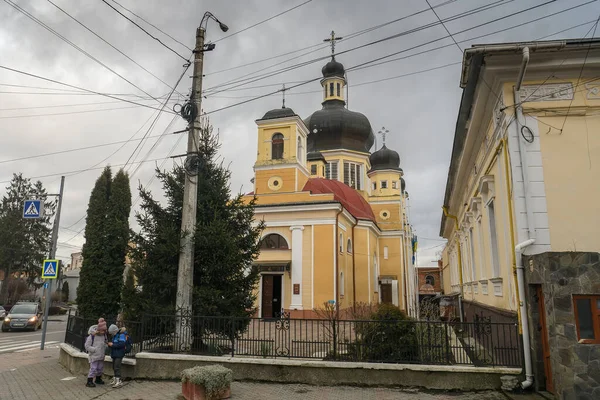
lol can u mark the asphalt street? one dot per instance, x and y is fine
(21, 341)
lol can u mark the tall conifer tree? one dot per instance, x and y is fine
(106, 238)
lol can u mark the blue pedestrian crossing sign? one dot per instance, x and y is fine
(50, 269)
(32, 209)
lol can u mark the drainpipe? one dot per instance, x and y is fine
(460, 275)
(530, 228)
(354, 268)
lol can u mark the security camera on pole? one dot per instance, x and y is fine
(191, 112)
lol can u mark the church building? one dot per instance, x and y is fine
(335, 214)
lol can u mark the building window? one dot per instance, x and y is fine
(385, 252)
(341, 243)
(384, 184)
(472, 250)
(481, 250)
(349, 246)
(429, 280)
(313, 169)
(299, 150)
(331, 170)
(338, 90)
(587, 318)
(277, 146)
(394, 184)
(342, 284)
(352, 175)
(331, 89)
(493, 239)
(274, 241)
(374, 185)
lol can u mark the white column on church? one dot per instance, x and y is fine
(296, 303)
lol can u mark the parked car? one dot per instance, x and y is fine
(2, 312)
(23, 315)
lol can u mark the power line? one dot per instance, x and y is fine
(63, 105)
(263, 21)
(67, 113)
(145, 31)
(49, 29)
(108, 43)
(80, 88)
(152, 25)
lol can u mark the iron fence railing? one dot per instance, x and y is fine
(382, 341)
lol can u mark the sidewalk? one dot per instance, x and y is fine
(36, 375)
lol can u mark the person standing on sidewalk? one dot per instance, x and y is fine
(117, 346)
(95, 345)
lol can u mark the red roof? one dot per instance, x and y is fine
(348, 197)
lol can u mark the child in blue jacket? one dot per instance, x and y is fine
(117, 352)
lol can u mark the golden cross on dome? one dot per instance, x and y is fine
(383, 132)
(332, 40)
(283, 95)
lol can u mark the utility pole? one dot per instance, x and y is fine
(191, 112)
(53, 246)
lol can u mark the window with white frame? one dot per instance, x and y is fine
(384, 184)
(394, 184)
(349, 246)
(481, 249)
(342, 284)
(385, 252)
(331, 170)
(341, 243)
(491, 212)
(374, 185)
(352, 175)
(472, 251)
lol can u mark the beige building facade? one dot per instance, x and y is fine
(524, 181)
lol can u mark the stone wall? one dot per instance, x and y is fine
(575, 366)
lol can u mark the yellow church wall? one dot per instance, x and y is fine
(393, 210)
(265, 135)
(327, 91)
(307, 266)
(389, 177)
(373, 241)
(363, 254)
(285, 176)
(323, 272)
(292, 197)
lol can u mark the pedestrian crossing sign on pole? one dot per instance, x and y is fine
(33, 209)
(50, 269)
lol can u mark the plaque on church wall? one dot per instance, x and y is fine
(296, 288)
(593, 90)
(548, 92)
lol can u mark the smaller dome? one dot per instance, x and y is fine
(385, 158)
(333, 68)
(403, 184)
(315, 156)
(279, 113)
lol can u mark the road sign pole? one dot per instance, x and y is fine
(52, 256)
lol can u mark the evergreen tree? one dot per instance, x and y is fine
(226, 242)
(24, 243)
(106, 234)
(65, 291)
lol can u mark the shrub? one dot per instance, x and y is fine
(390, 336)
(214, 378)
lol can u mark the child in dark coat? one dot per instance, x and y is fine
(117, 352)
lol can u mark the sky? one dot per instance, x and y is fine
(269, 43)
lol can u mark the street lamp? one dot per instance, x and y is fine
(191, 112)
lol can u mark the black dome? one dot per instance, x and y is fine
(402, 184)
(335, 127)
(279, 113)
(333, 68)
(385, 158)
(315, 156)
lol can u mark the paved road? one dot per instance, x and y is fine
(21, 341)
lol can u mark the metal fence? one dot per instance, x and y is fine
(383, 341)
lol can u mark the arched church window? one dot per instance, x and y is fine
(349, 246)
(331, 89)
(429, 280)
(341, 243)
(342, 284)
(277, 146)
(274, 241)
(338, 90)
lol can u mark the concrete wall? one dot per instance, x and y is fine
(169, 367)
(575, 366)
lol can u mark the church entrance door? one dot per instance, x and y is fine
(271, 296)
(386, 293)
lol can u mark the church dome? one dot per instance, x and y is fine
(279, 113)
(333, 68)
(385, 158)
(402, 184)
(335, 127)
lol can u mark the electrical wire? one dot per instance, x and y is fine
(145, 31)
(263, 21)
(63, 38)
(77, 87)
(110, 44)
(152, 25)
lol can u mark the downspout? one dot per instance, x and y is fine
(531, 230)
(460, 275)
(354, 268)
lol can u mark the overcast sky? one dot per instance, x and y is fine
(419, 110)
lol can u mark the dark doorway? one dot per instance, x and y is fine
(386, 293)
(543, 330)
(271, 296)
